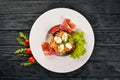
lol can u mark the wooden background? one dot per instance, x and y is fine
(103, 15)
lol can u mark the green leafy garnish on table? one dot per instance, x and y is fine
(22, 37)
(21, 50)
(78, 39)
(25, 64)
(25, 50)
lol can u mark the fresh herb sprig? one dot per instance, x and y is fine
(22, 37)
(25, 50)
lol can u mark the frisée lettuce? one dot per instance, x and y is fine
(79, 41)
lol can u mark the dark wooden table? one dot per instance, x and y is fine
(19, 15)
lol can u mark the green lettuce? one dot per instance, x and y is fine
(79, 41)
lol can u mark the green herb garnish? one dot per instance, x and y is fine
(22, 38)
(20, 51)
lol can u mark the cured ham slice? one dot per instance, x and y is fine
(58, 34)
(46, 49)
(66, 25)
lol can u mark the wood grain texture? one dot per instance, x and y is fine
(102, 37)
(90, 69)
(19, 15)
(25, 21)
(99, 6)
(100, 54)
(39, 78)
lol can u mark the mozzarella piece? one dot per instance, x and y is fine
(68, 45)
(57, 39)
(65, 37)
(61, 47)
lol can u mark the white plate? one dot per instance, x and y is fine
(38, 34)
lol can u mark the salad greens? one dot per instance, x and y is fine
(78, 39)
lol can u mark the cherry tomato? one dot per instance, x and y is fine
(26, 42)
(32, 59)
(45, 46)
(28, 51)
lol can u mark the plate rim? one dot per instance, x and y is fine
(92, 33)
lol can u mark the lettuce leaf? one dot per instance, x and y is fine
(79, 41)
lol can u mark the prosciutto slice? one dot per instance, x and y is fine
(67, 25)
(48, 50)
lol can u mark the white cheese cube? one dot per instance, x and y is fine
(57, 39)
(65, 37)
(68, 45)
(61, 47)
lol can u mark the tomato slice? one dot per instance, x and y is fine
(54, 29)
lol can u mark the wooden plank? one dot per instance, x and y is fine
(12, 57)
(104, 37)
(104, 21)
(90, 69)
(105, 53)
(19, 15)
(39, 78)
(100, 53)
(25, 21)
(90, 1)
(17, 21)
(99, 6)
(9, 37)
(107, 37)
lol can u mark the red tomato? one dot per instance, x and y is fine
(28, 51)
(32, 59)
(26, 42)
(54, 29)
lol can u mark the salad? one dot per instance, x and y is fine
(65, 40)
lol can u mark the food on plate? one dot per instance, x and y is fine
(65, 40)
(60, 43)
(78, 39)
